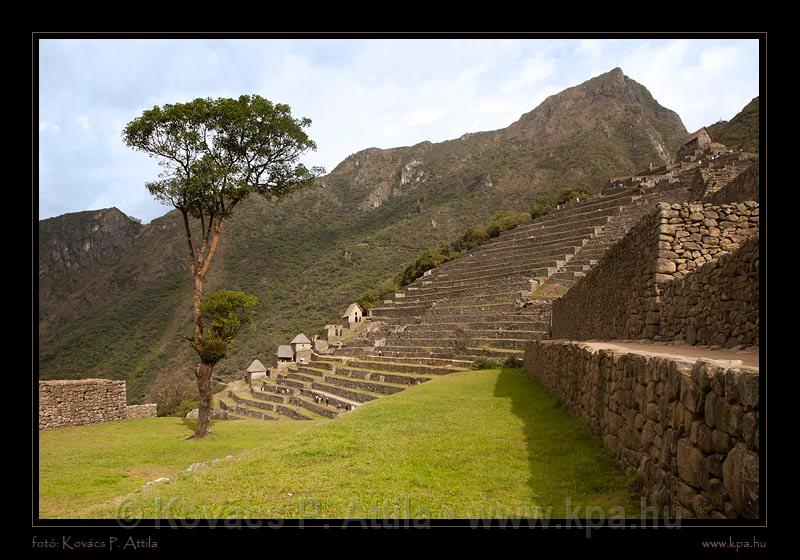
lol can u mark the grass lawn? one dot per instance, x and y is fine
(473, 444)
(83, 466)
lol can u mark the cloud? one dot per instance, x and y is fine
(702, 80)
(44, 125)
(358, 93)
(83, 121)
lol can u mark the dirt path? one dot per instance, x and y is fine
(748, 357)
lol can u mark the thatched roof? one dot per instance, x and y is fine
(353, 306)
(256, 367)
(285, 351)
(300, 339)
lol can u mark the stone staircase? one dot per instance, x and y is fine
(490, 302)
(329, 386)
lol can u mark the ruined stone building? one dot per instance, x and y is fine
(301, 348)
(331, 332)
(695, 141)
(353, 315)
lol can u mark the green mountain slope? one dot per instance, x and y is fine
(741, 132)
(308, 256)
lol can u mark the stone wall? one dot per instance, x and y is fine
(133, 411)
(622, 296)
(613, 299)
(743, 187)
(716, 305)
(689, 430)
(80, 401)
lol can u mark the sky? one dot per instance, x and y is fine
(358, 93)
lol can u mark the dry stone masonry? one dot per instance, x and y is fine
(716, 305)
(78, 402)
(623, 296)
(743, 187)
(689, 430)
(134, 411)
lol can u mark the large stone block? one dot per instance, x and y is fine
(691, 396)
(748, 389)
(741, 480)
(691, 464)
(665, 266)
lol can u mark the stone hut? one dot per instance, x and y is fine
(284, 354)
(331, 332)
(301, 346)
(353, 315)
(697, 140)
(256, 370)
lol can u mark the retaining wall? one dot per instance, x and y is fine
(622, 297)
(133, 411)
(690, 430)
(80, 401)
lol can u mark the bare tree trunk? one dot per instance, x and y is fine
(204, 369)
(203, 373)
(198, 295)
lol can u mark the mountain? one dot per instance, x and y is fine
(741, 132)
(123, 312)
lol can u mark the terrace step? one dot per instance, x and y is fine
(476, 335)
(388, 366)
(456, 365)
(255, 403)
(505, 343)
(342, 392)
(369, 386)
(481, 326)
(443, 352)
(512, 269)
(381, 376)
(316, 370)
(240, 411)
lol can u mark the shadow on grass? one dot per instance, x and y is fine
(526, 404)
(565, 460)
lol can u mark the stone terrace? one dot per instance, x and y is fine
(483, 304)
(329, 386)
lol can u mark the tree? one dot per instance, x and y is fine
(169, 390)
(215, 153)
(222, 312)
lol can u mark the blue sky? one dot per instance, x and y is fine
(358, 93)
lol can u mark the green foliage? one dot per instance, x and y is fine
(513, 362)
(375, 296)
(485, 363)
(186, 406)
(504, 220)
(210, 349)
(549, 201)
(225, 311)
(215, 152)
(471, 238)
(742, 131)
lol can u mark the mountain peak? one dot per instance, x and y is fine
(613, 73)
(608, 106)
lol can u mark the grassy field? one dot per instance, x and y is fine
(84, 466)
(474, 444)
